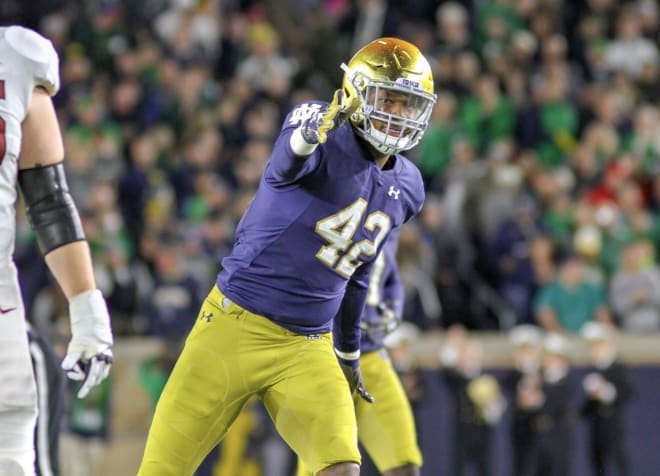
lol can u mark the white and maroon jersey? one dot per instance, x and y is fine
(27, 60)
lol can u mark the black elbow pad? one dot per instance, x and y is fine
(50, 207)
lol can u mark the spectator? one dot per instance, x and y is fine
(608, 389)
(510, 250)
(522, 385)
(137, 182)
(630, 51)
(191, 30)
(453, 28)
(89, 425)
(467, 71)
(451, 265)
(172, 307)
(477, 403)
(570, 300)
(635, 289)
(436, 143)
(554, 122)
(400, 347)
(541, 255)
(155, 370)
(553, 416)
(643, 139)
(266, 69)
(421, 305)
(488, 114)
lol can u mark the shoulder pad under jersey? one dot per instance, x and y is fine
(39, 55)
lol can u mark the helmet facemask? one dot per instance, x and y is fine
(393, 115)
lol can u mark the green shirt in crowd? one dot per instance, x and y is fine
(483, 128)
(573, 307)
(436, 149)
(559, 122)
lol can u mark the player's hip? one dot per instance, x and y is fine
(291, 304)
(227, 334)
(218, 305)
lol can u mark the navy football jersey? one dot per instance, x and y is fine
(314, 224)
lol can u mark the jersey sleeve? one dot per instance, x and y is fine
(346, 325)
(284, 165)
(35, 57)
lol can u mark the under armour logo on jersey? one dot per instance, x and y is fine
(394, 193)
(206, 315)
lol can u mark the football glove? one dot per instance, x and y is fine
(315, 129)
(351, 369)
(89, 354)
(388, 322)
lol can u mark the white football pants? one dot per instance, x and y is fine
(18, 393)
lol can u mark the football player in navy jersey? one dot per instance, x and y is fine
(333, 189)
(386, 428)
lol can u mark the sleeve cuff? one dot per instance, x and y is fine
(299, 146)
(348, 355)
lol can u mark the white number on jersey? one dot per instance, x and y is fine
(375, 280)
(338, 230)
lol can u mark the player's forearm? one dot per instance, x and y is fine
(71, 265)
(288, 164)
(57, 225)
(347, 323)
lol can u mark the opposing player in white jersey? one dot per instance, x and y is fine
(31, 155)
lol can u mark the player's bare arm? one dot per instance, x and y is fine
(42, 155)
(59, 232)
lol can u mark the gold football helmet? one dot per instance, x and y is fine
(392, 83)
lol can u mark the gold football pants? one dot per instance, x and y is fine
(232, 354)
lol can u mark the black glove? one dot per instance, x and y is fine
(351, 369)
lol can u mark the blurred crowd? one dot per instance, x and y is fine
(541, 162)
